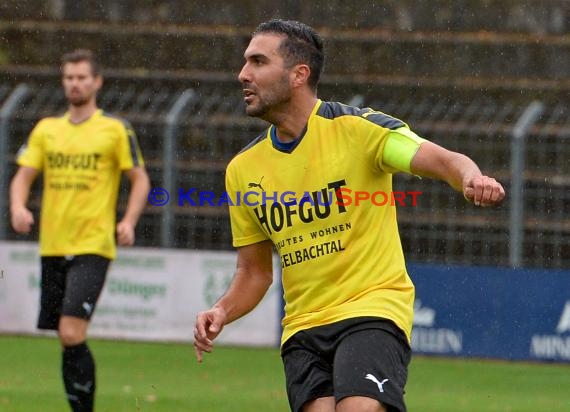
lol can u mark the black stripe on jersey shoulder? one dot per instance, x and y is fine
(255, 141)
(133, 143)
(332, 110)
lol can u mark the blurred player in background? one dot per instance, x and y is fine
(348, 297)
(82, 155)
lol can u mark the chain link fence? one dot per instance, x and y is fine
(188, 134)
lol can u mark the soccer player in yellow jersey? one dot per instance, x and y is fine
(81, 155)
(305, 187)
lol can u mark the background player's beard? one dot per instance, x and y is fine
(78, 101)
(77, 98)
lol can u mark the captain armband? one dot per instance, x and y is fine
(400, 148)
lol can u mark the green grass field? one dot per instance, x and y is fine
(153, 377)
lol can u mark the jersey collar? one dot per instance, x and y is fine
(96, 113)
(290, 146)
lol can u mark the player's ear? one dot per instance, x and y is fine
(300, 75)
(98, 81)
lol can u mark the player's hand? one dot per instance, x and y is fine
(22, 220)
(208, 326)
(483, 191)
(125, 234)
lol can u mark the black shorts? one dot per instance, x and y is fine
(70, 286)
(363, 356)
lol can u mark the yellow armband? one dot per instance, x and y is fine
(399, 150)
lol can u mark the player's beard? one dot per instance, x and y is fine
(78, 99)
(280, 93)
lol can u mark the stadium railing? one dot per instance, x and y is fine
(188, 134)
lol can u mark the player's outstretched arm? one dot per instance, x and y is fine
(20, 216)
(252, 279)
(140, 186)
(432, 160)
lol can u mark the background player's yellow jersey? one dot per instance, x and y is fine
(339, 260)
(81, 165)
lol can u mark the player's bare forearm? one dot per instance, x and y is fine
(21, 218)
(436, 162)
(140, 186)
(244, 294)
(252, 279)
(20, 187)
(459, 171)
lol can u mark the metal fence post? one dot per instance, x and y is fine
(518, 145)
(168, 164)
(6, 111)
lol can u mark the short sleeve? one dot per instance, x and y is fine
(377, 133)
(245, 230)
(130, 154)
(31, 154)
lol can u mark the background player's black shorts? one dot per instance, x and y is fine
(363, 356)
(70, 286)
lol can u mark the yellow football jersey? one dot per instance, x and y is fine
(340, 258)
(81, 165)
